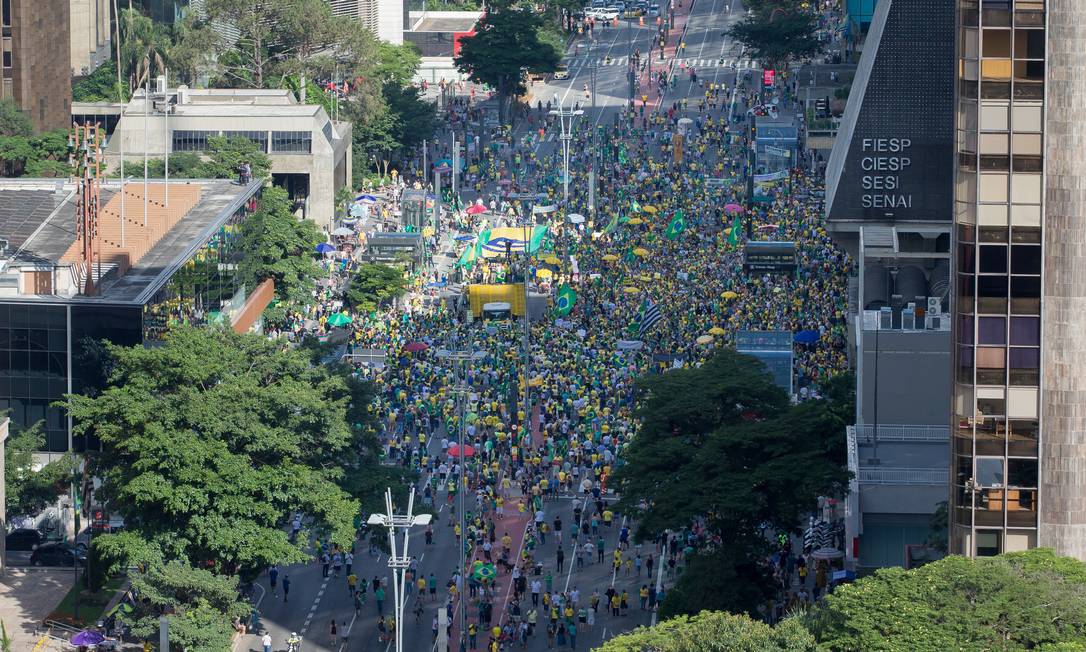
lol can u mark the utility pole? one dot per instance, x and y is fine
(565, 120)
(425, 163)
(3, 495)
(530, 199)
(455, 163)
(398, 559)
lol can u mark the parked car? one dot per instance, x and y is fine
(57, 554)
(633, 12)
(24, 539)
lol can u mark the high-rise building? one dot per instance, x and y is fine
(1019, 401)
(89, 24)
(36, 61)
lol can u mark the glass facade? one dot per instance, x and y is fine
(292, 142)
(998, 260)
(258, 138)
(205, 290)
(34, 368)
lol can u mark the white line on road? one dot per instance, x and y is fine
(313, 609)
(659, 584)
(347, 632)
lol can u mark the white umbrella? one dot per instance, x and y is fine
(343, 231)
(575, 218)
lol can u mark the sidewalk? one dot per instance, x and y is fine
(27, 596)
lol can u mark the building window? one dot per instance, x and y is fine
(258, 138)
(297, 142)
(191, 141)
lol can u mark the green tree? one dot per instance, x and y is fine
(373, 285)
(279, 246)
(30, 490)
(505, 46)
(1019, 601)
(711, 631)
(13, 121)
(224, 155)
(99, 86)
(144, 48)
(198, 604)
(722, 443)
(211, 440)
(778, 34)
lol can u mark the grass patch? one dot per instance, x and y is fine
(81, 608)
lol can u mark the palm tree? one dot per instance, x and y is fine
(143, 48)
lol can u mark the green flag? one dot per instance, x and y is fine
(636, 207)
(467, 259)
(622, 158)
(611, 226)
(480, 242)
(676, 227)
(565, 301)
(733, 234)
(539, 233)
(630, 256)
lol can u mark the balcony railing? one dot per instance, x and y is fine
(865, 434)
(886, 475)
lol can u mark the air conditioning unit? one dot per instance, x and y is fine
(160, 85)
(937, 322)
(908, 318)
(886, 318)
(935, 306)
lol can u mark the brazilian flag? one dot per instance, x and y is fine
(733, 232)
(676, 227)
(567, 298)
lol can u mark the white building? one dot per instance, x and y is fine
(310, 153)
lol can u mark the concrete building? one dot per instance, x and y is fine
(1019, 398)
(176, 265)
(36, 62)
(91, 35)
(889, 204)
(310, 153)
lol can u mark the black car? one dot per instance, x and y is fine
(24, 539)
(57, 554)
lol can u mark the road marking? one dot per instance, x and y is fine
(313, 609)
(347, 632)
(659, 583)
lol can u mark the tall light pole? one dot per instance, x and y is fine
(460, 390)
(398, 559)
(530, 198)
(565, 120)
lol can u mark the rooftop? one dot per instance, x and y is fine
(133, 268)
(464, 22)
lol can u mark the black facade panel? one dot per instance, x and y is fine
(900, 160)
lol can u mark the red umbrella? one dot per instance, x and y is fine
(415, 347)
(733, 208)
(475, 209)
(454, 451)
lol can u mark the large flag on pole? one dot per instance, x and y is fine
(676, 227)
(647, 317)
(567, 298)
(733, 233)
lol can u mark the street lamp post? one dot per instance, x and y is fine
(460, 390)
(530, 198)
(565, 120)
(398, 559)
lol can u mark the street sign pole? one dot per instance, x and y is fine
(399, 561)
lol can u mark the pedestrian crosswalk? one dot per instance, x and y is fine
(738, 64)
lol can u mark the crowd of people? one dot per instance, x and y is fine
(567, 438)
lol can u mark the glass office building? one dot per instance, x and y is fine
(1018, 424)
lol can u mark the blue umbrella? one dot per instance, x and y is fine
(464, 238)
(368, 198)
(324, 248)
(438, 284)
(806, 337)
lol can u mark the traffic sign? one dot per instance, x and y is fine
(768, 75)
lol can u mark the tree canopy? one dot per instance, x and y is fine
(13, 120)
(711, 631)
(506, 44)
(211, 440)
(721, 444)
(1017, 601)
(277, 245)
(1033, 600)
(778, 32)
(374, 284)
(29, 490)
